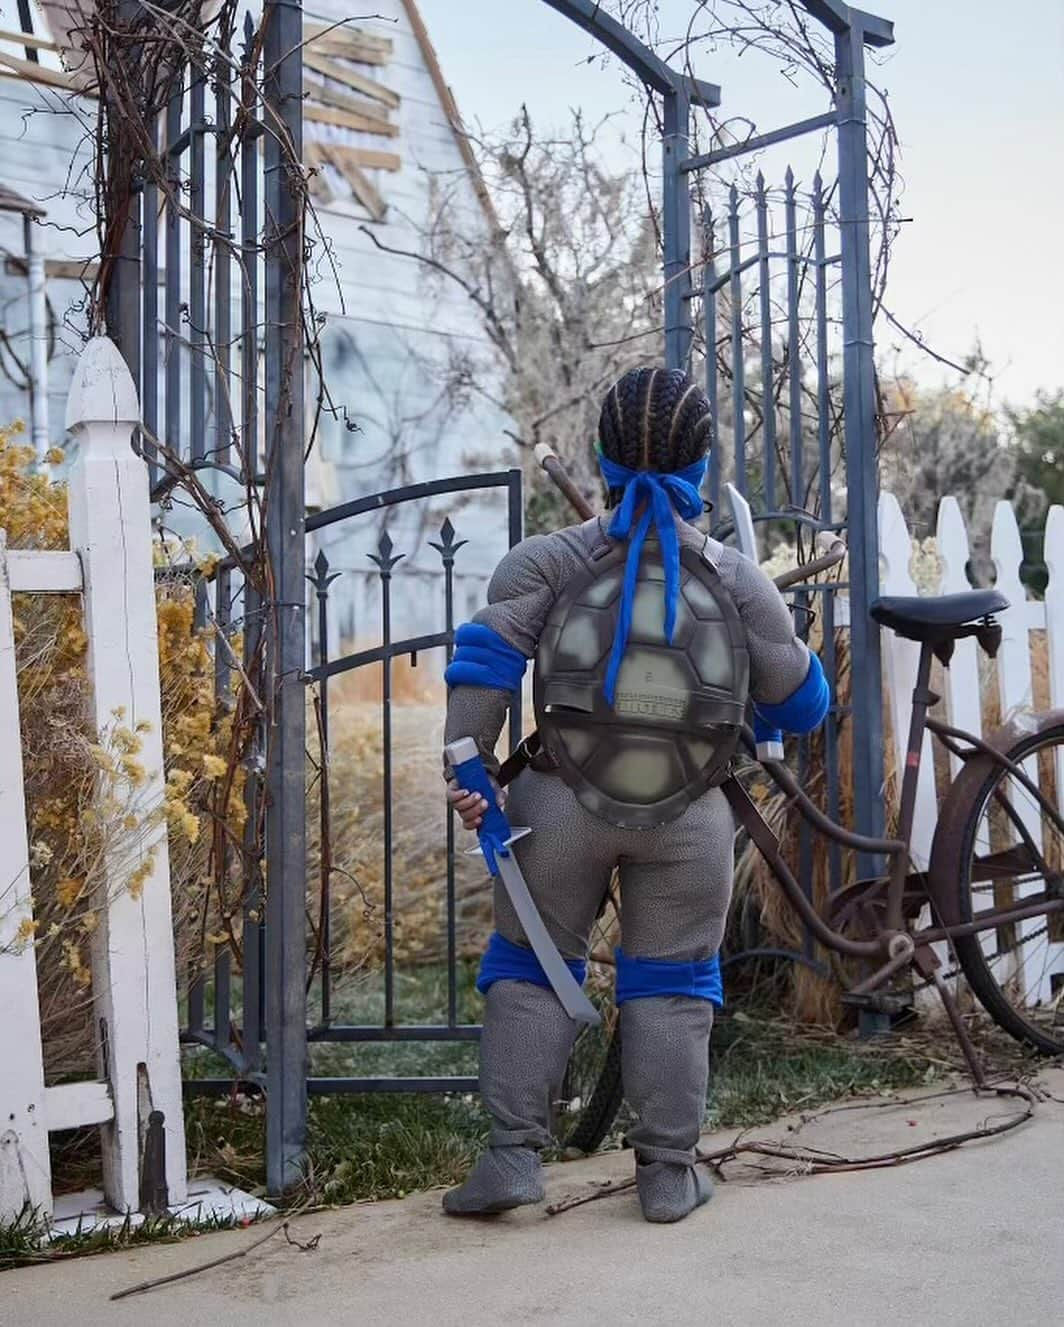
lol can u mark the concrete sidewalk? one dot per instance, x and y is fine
(973, 1237)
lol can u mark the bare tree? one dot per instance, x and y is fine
(568, 287)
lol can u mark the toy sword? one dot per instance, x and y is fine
(496, 838)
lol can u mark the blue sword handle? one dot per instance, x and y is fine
(494, 833)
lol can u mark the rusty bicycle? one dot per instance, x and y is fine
(992, 894)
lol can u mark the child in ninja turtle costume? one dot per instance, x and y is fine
(648, 639)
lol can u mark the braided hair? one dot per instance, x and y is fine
(654, 419)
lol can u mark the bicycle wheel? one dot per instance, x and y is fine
(1010, 850)
(592, 1092)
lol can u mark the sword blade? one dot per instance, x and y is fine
(564, 984)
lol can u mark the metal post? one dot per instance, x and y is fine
(709, 313)
(123, 313)
(860, 425)
(676, 229)
(768, 388)
(286, 1033)
(149, 348)
(123, 293)
(735, 292)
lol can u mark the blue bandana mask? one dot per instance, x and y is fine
(664, 495)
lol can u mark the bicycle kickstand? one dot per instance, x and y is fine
(926, 963)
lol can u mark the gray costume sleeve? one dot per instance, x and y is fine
(520, 597)
(779, 661)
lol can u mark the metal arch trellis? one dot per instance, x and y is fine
(274, 985)
(851, 29)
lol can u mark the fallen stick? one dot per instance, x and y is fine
(154, 1284)
(814, 1162)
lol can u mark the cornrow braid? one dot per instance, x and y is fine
(654, 419)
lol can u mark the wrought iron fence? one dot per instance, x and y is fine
(815, 267)
(242, 1048)
(763, 286)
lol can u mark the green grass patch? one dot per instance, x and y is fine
(25, 1242)
(358, 1147)
(764, 1068)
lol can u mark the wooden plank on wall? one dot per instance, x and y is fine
(368, 110)
(365, 124)
(56, 269)
(340, 158)
(28, 41)
(345, 74)
(316, 156)
(367, 158)
(52, 78)
(364, 191)
(349, 43)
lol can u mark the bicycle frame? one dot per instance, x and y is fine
(893, 942)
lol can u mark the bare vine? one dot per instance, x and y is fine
(139, 60)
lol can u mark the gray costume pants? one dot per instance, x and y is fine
(675, 887)
(675, 880)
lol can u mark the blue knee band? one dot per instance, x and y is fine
(645, 978)
(505, 961)
(483, 659)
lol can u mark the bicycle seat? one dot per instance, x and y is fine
(937, 619)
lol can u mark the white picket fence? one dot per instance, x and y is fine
(961, 690)
(133, 974)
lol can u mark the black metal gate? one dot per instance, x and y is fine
(438, 646)
(431, 650)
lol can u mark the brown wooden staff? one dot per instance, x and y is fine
(548, 459)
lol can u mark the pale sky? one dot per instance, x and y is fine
(976, 91)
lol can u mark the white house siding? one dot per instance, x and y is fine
(390, 331)
(44, 156)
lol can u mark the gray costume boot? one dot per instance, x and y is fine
(665, 1063)
(524, 1050)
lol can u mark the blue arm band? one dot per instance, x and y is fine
(805, 709)
(483, 659)
(505, 961)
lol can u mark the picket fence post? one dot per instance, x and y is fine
(1054, 603)
(1053, 552)
(134, 979)
(963, 701)
(25, 1170)
(901, 659)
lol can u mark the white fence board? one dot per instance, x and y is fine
(25, 1172)
(1016, 691)
(133, 974)
(901, 659)
(33, 571)
(963, 702)
(134, 979)
(76, 1105)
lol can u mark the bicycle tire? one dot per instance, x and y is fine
(593, 1123)
(969, 949)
